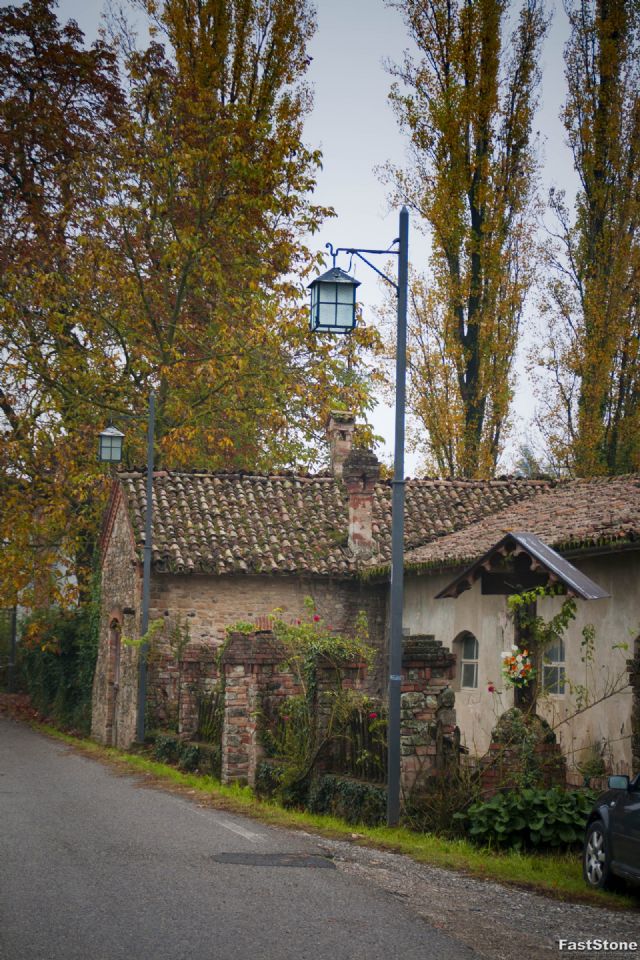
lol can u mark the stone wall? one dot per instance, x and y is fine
(429, 738)
(503, 768)
(115, 685)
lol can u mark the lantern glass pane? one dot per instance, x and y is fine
(344, 313)
(328, 292)
(110, 449)
(105, 448)
(314, 296)
(345, 292)
(327, 314)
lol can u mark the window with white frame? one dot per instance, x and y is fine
(468, 652)
(553, 669)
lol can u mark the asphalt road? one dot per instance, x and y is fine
(92, 867)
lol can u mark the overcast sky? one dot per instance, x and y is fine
(353, 124)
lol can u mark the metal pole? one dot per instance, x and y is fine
(397, 533)
(146, 574)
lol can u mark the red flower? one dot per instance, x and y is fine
(315, 618)
(373, 716)
(285, 717)
(491, 688)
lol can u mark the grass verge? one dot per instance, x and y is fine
(555, 875)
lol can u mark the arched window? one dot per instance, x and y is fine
(467, 650)
(115, 631)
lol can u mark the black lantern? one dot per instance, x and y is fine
(110, 446)
(333, 302)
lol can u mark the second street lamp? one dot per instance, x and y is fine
(110, 445)
(333, 310)
(110, 451)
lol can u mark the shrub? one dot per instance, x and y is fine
(529, 818)
(211, 714)
(441, 803)
(303, 728)
(353, 800)
(210, 759)
(189, 757)
(166, 749)
(268, 778)
(56, 663)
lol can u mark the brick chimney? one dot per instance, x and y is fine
(340, 433)
(360, 472)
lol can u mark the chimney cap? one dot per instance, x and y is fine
(361, 465)
(342, 417)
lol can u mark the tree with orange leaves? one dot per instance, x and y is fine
(179, 270)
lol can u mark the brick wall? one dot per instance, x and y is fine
(210, 604)
(206, 606)
(252, 665)
(253, 673)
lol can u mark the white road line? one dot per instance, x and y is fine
(210, 815)
(234, 828)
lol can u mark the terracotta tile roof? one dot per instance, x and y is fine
(575, 514)
(239, 523)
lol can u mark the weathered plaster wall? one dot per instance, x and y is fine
(115, 692)
(616, 621)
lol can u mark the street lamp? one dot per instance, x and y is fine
(110, 450)
(329, 303)
(110, 445)
(333, 302)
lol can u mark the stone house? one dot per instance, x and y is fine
(234, 547)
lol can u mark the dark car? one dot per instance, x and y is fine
(612, 838)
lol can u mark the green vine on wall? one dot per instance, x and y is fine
(543, 633)
(305, 724)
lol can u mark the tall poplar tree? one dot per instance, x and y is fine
(592, 412)
(466, 101)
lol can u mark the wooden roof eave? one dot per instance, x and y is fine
(542, 559)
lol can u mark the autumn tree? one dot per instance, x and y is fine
(60, 103)
(182, 264)
(591, 391)
(466, 101)
(208, 201)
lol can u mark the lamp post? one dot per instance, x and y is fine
(333, 310)
(110, 450)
